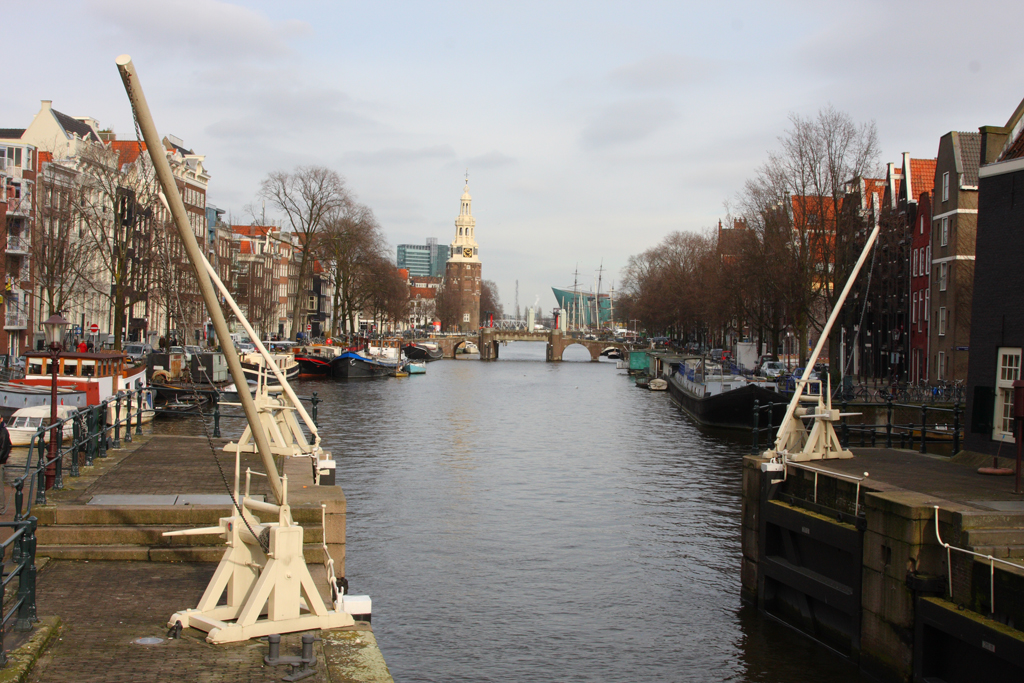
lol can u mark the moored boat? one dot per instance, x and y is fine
(416, 367)
(26, 422)
(15, 395)
(253, 363)
(426, 351)
(98, 375)
(717, 399)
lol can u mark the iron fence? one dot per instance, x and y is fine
(92, 433)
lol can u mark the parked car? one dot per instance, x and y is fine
(766, 357)
(137, 352)
(773, 369)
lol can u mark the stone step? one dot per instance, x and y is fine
(180, 516)
(1005, 552)
(144, 535)
(142, 553)
(989, 537)
(991, 520)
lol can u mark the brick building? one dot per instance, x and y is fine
(462, 273)
(997, 326)
(951, 257)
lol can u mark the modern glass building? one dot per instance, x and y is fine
(424, 260)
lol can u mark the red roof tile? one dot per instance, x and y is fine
(127, 150)
(922, 177)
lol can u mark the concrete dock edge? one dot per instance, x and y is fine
(353, 656)
(21, 660)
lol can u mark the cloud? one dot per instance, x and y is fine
(203, 29)
(659, 72)
(396, 155)
(627, 122)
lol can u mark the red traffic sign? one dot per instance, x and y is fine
(94, 328)
(309, 327)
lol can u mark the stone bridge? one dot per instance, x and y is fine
(490, 339)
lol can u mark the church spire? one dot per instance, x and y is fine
(464, 246)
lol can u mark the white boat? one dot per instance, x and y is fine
(147, 409)
(26, 422)
(657, 384)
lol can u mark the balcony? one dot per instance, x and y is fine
(16, 318)
(18, 245)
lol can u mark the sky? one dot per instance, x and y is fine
(589, 130)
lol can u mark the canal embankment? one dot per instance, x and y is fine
(112, 578)
(850, 552)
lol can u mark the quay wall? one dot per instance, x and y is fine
(872, 614)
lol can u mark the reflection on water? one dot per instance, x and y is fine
(531, 521)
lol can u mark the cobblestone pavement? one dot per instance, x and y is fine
(106, 606)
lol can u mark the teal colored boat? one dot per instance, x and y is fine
(417, 368)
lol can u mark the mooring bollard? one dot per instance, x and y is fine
(924, 428)
(315, 401)
(757, 417)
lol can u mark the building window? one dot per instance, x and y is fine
(922, 225)
(913, 269)
(941, 365)
(945, 186)
(944, 232)
(1007, 370)
(942, 321)
(927, 303)
(913, 309)
(943, 276)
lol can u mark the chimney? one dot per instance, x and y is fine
(46, 104)
(993, 139)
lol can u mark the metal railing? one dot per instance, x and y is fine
(991, 564)
(91, 434)
(937, 425)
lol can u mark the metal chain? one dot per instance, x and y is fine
(262, 538)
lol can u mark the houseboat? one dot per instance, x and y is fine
(99, 375)
(718, 398)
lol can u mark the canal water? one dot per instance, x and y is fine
(530, 521)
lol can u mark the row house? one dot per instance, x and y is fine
(861, 209)
(18, 163)
(997, 326)
(901, 203)
(422, 295)
(950, 256)
(161, 293)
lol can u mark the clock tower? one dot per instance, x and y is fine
(462, 273)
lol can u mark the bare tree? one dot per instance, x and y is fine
(352, 241)
(490, 301)
(115, 206)
(446, 306)
(307, 197)
(805, 182)
(61, 258)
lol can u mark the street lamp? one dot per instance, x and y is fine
(53, 327)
